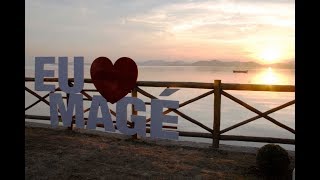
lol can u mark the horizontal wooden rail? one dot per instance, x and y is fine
(224, 86)
(236, 138)
(239, 138)
(257, 139)
(47, 118)
(258, 87)
(176, 84)
(28, 79)
(195, 134)
(27, 116)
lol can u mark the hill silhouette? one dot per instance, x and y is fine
(219, 63)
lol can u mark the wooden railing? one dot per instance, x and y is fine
(217, 88)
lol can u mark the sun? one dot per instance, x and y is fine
(270, 55)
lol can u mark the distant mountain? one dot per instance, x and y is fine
(236, 64)
(290, 65)
(225, 63)
(163, 63)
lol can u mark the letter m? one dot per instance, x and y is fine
(75, 102)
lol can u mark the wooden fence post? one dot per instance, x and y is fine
(68, 95)
(134, 93)
(216, 114)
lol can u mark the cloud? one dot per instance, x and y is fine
(146, 27)
(187, 16)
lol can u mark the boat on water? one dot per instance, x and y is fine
(240, 71)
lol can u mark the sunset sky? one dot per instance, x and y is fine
(246, 30)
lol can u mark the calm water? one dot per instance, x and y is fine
(202, 110)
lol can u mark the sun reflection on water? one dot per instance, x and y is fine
(270, 77)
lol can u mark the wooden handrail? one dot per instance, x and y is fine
(258, 87)
(217, 88)
(224, 86)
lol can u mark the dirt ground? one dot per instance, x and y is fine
(65, 154)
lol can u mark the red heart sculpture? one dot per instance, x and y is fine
(114, 81)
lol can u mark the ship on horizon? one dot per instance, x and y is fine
(240, 71)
